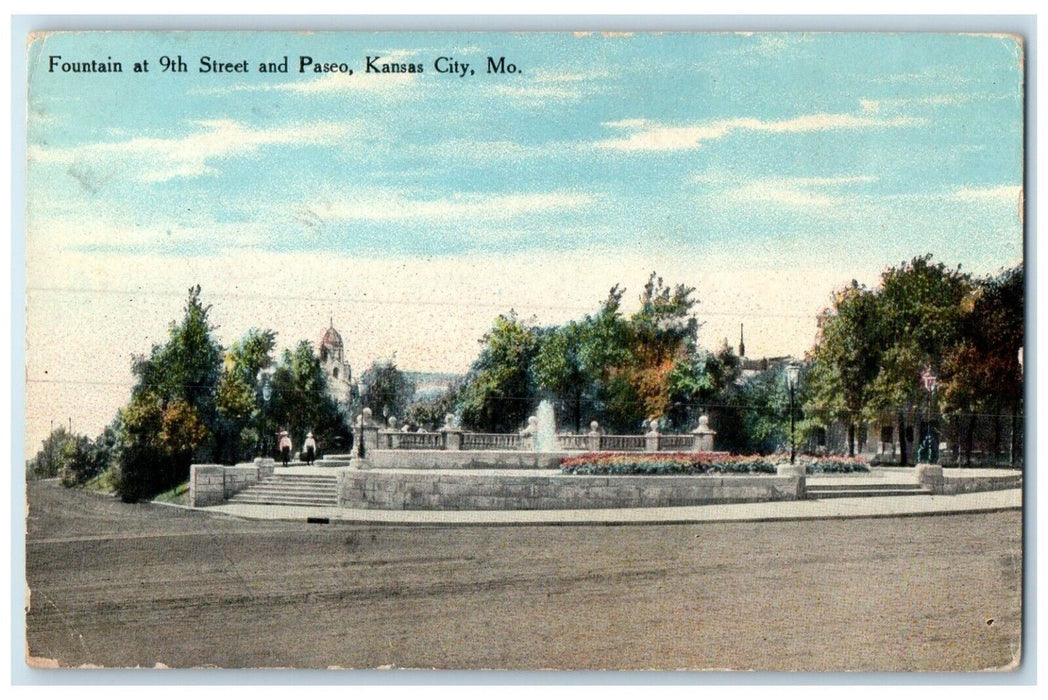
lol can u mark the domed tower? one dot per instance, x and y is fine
(333, 362)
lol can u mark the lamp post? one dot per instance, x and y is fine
(930, 382)
(360, 436)
(265, 383)
(793, 377)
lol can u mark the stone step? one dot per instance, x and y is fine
(291, 490)
(866, 487)
(320, 493)
(281, 479)
(817, 493)
(282, 500)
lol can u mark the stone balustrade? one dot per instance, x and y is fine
(453, 438)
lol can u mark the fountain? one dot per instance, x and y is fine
(546, 428)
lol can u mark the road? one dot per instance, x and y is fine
(121, 585)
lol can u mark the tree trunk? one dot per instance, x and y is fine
(578, 411)
(969, 440)
(996, 434)
(851, 439)
(903, 459)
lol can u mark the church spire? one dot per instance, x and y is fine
(742, 343)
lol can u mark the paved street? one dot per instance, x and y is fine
(135, 585)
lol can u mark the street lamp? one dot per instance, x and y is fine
(931, 383)
(265, 382)
(360, 436)
(793, 378)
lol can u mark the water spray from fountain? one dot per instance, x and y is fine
(546, 435)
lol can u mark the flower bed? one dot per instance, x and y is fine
(833, 465)
(661, 463)
(604, 463)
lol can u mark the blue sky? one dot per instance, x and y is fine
(764, 169)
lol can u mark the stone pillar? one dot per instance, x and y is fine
(651, 438)
(931, 477)
(703, 436)
(796, 471)
(452, 433)
(266, 467)
(369, 433)
(593, 437)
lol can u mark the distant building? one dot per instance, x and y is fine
(333, 361)
(752, 366)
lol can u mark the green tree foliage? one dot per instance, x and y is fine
(846, 359)
(615, 369)
(300, 402)
(874, 344)
(561, 368)
(499, 392)
(72, 457)
(387, 391)
(52, 456)
(171, 407)
(981, 374)
(429, 413)
(921, 306)
(159, 437)
(238, 399)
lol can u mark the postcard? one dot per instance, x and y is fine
(526, 351)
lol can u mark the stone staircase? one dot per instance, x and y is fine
(291, 490)
(864, 490)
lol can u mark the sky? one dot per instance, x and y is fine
(410, 209)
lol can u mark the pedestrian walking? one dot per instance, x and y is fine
(310, 447)
(285, 447)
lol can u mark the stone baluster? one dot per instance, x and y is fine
(703, 436)
(593, 437)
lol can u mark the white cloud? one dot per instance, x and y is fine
(652, 136)
(554, 85)
(791, 192)
(999, 194)
(394, 206)
(154, 159)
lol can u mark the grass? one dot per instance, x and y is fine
(103, 483)
(178, 495)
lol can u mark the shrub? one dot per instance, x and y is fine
(833, 465)
(610, 463)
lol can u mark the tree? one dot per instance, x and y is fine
(159, 437)
(52, 456)
(238, 399)
(561, 368)
(429, 413)
(663, 344)
(846, 359)
(982, 373)
(920, 305)
(387, 391)
(172, 406)
(874, 344)
(300, 402)
(499, 391)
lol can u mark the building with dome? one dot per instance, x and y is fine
(333, 361)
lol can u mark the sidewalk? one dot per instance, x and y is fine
(882, 507)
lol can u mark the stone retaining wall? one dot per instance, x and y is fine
(970, 484)
(401, 490)
(213, 484)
